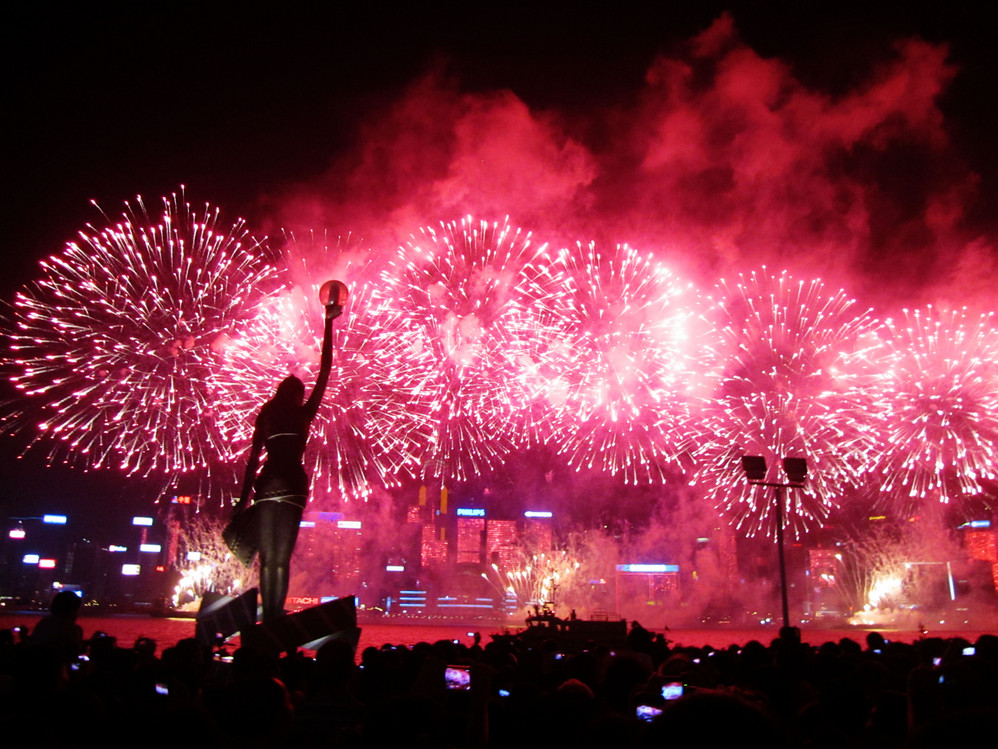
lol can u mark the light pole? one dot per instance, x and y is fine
(796, 470)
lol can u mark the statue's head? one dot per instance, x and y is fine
(291, 391)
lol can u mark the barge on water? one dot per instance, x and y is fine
(572, 635)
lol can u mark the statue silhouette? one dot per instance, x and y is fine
(280, 490)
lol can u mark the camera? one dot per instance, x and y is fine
(648, 712)
(458, 678)
(673, 690)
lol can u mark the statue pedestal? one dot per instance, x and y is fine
(308, 628)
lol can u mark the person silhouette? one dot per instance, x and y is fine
(280, 490)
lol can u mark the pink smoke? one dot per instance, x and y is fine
(724, 161)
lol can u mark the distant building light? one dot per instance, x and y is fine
(306, 524)
(160, 568)
(395, 568)
(470, 512)
(130, 570)
(193, 556)
(54, 519)
(652, 568)
(17, 533)
(349, 524)
(184, 500)
(46, 564)
(141, 521)
(113, 548)
(538, 514)
(153, 548)
(30, 559)
(329, 517)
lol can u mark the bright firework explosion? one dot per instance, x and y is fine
(474, 288)
(578, 573)
(115, 346)
(204, 563)
(374, 413)
(939, 402)
(625, 331)
(538, 581)
(795, 363)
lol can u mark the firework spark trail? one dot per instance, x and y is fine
(537, 581)
(796, 364)
(471, 287)
(626, 323)
(114, 346)
(939, 403)
(373, 417)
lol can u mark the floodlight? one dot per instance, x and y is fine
(754, 467)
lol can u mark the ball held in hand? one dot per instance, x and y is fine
(333, 293)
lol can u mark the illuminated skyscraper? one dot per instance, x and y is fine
(502, 544)
(432, 550)
(470, 529)
(537, 533)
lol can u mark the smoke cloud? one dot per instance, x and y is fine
(724, 161)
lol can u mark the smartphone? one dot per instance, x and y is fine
(969, 651)
(161, 688)
(673, 690)
(648, 712)
(457, 677)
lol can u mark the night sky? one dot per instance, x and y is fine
(117, 100)
(269, 114)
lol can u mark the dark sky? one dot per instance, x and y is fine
(107, 101)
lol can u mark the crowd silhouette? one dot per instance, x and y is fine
(61, 691)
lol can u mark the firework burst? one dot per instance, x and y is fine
(114, 347)
(795, 363)
(374, 414)
(474, 290)
(939, 402)
(625, 331)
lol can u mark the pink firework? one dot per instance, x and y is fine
(626, 325)
(939, 406)
(795, 362)
(475, 290)
(114, 347)
(374, 413)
